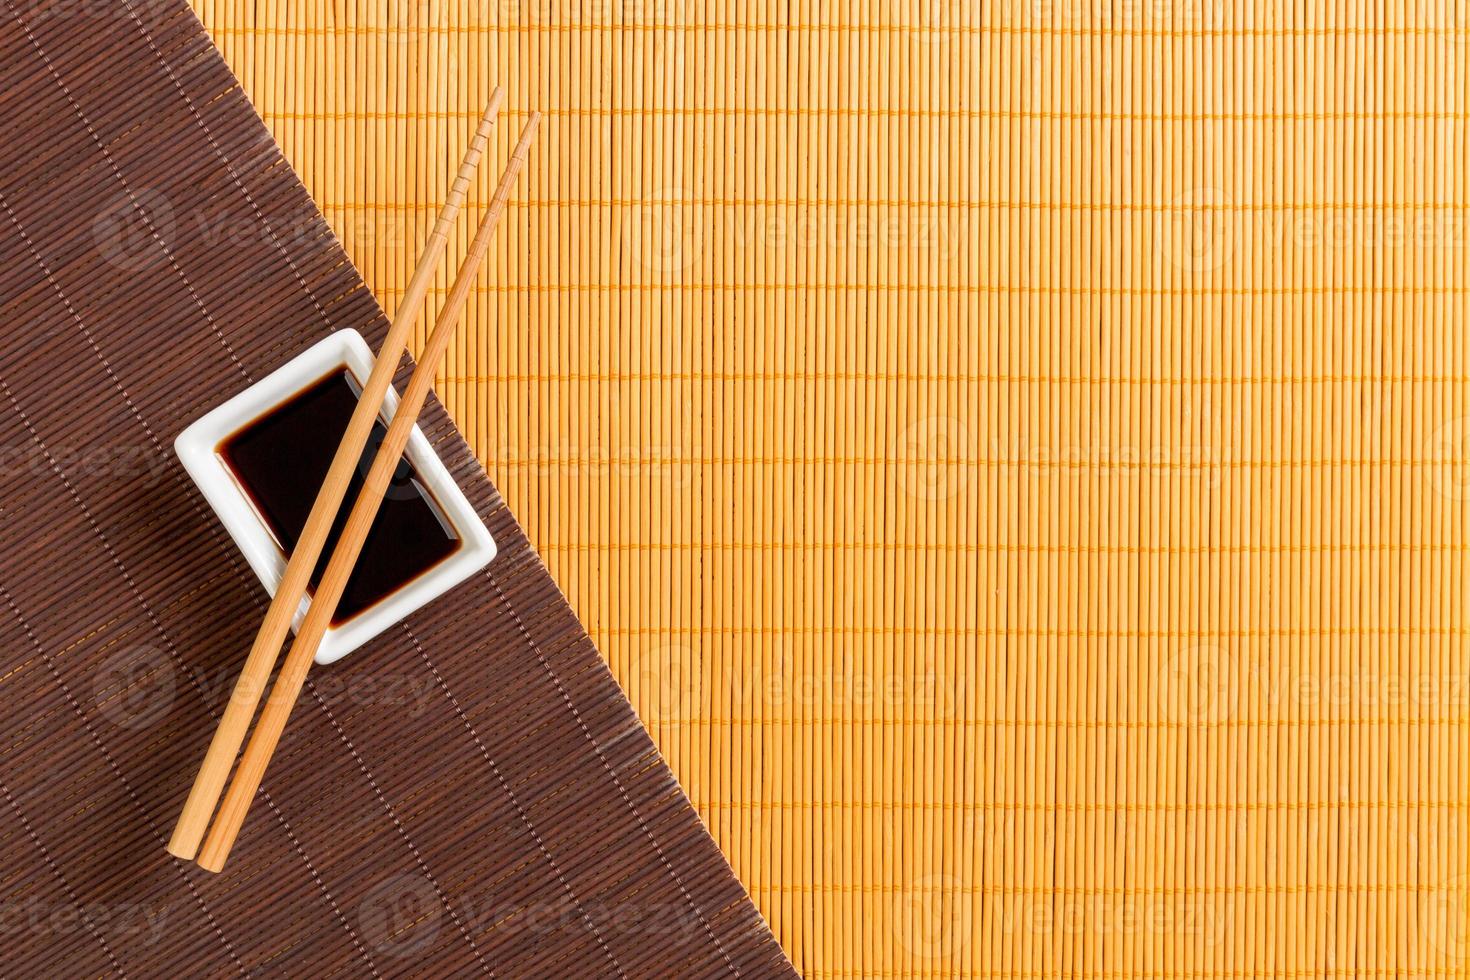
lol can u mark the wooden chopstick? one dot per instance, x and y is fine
(288, 683)
(267, 647)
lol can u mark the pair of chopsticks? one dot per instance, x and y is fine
(220, 757)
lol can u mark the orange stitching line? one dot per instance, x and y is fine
(984, 289)
(1076, 891)
(613, 460)
(1356, 971)
(874, 112)
(1095, 807)
(1012, 632)
(902, 377)
(951, 204)
(962, 30)
(1000, 548)
(1062, 724)
(96, 630)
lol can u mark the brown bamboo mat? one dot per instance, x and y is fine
(471, 794)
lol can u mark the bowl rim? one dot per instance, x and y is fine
(197, 448)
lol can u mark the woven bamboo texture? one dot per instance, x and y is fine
(1012, 454)
(469, 794)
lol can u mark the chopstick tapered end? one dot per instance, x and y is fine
(194, 821)
(183, 853)
(212, 866)
(492, 110)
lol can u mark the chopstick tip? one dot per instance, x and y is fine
(529, 131)
(182, 853)
(492, 106)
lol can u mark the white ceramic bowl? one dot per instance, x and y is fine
(198, 445)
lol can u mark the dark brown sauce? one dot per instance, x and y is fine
(281, 460)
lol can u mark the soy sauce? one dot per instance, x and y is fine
(281, 460)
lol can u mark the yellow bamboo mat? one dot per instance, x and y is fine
(1012, 454)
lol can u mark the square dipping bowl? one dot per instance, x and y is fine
(200, 450)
